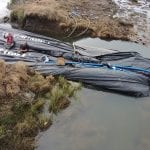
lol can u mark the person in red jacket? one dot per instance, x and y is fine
(9, 41)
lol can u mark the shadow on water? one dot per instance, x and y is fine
(90, 87)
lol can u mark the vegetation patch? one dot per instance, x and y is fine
(70, 19)
(60, 94)
(23, 96)
(18, 16)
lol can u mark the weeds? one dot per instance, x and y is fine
(56, 97)
(20, 107)
(44, 121)
(40, 85)
(28, 127)
(23, 115)
(8, 120)
(60, 94)
(37, 106)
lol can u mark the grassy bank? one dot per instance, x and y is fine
(23, 96)
(73, 18)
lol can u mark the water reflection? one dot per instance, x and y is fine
(101, 120)
(97, 43)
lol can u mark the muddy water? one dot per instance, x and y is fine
(100, 120)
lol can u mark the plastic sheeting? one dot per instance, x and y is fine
(123, 72)
(122, 81)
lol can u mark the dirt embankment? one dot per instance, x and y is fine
(70, 18)
(23, 96)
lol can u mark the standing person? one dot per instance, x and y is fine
(9, 40)
(24, 47)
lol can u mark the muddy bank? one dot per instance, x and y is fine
(23, 97)
(70, 19)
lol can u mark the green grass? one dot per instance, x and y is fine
(8, 120)
(60, 95)
(37, 106)
(44, 121)
(56, 95)
(20, 108)
(27, 127)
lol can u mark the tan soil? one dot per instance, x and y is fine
(72, 18)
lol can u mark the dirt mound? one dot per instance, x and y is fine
(13, 79)
(17, 79)
(73, 18)
(19, 83)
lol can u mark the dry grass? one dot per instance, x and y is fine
(44, 121)
(112, 29)
(59, 12)
(60, 94)
(23, 95)
(12, 78)
(45, 8)
(17, 78)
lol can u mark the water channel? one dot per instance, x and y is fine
(99, 120)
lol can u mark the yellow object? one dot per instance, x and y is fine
(61, 61)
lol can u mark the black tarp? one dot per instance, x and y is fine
(133, 81)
